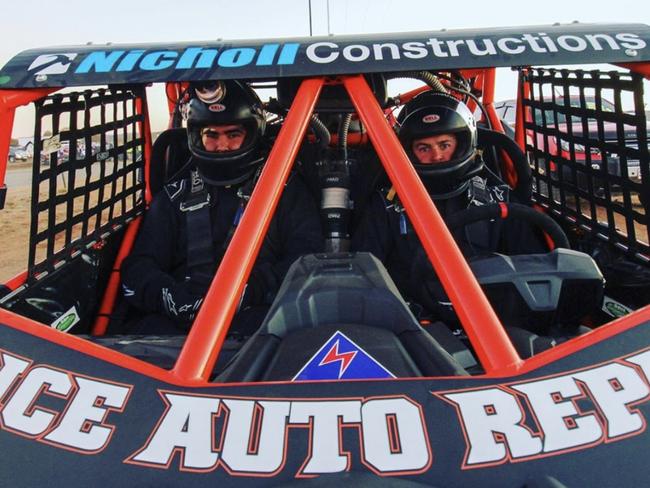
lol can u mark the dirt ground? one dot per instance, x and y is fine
(15, 221)
(14, 232)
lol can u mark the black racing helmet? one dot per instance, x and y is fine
(436, 113)
(227, 102)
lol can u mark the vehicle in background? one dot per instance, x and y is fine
(556, 142)
(16, 153)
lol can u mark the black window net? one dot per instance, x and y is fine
(587, 143)
(88, 162)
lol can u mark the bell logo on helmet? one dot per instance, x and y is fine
(217, 107)
(431, 118)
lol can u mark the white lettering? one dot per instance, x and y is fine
(572, 43)
(89, 407)
(363, 52)
(415, 50)
(642, 360)
(317, 58)
(631, 41)
(187, 425)
(254, 441)
(379, 53)
(614, 387)
(10, 368)
(532, 42)
(549, 42)
(560, 421)
(436, 45)
(594, 40)
(394, 436)
(453, 46)
(493, 423)
(326, 419)
(488, 47)
(20, 412)
(502, 44)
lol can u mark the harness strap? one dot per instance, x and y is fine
(202, 256)
(244, 194)
(200, 252)
(485, 235)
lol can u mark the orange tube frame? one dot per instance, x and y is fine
(204, 342)
(207, 336)
(112, 287)
(9, 101)
(492, 345)
(208, 333)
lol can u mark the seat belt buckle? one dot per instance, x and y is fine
(194, 205)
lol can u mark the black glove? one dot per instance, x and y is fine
(179, 304)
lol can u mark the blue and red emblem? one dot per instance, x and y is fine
(341, 359)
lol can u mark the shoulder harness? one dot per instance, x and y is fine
(194, 200)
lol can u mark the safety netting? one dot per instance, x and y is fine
(587, 143)
(87, 177)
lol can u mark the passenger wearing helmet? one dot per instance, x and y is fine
(237, 110)
(439, 134)
(189, 225)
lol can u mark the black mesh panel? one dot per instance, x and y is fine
(586, 139)
(88, 161)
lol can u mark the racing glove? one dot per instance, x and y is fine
(179, 304)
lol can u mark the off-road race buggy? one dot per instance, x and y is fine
(341, 382)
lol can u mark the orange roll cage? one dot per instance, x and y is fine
(201, 349)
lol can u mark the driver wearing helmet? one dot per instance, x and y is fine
(189, 225)
(439, 135)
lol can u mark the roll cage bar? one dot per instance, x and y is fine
(208, 333)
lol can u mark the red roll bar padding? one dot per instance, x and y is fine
(489, 339)
(204, 342)
(9, 100)
(504, 210)
(16, 281)
(523, 89)
(508, 167)
(641, 68)
(113, 285)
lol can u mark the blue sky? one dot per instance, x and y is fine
(41, 23)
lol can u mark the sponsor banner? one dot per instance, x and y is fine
(115, 424)
(562, 44)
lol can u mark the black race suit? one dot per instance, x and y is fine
(386, 231)
(157, 280)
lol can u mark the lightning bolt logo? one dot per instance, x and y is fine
(340, 358)
(333, 355)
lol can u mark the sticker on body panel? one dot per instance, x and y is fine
(67, 320)
(340, 358)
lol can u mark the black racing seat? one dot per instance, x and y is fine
(491, 139)
(169, 153)
(341, 306)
